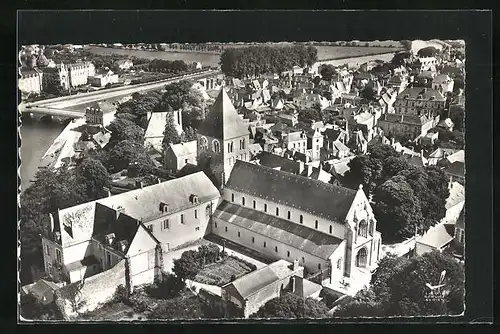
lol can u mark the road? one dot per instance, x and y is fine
(83, 98)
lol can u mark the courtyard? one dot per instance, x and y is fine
(224, 271)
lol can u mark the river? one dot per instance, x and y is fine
(36, 138)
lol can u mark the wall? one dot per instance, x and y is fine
(92, 291)
(177, 234)
(77, 252)
(50, 258)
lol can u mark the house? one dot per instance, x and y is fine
(439, 154)
(398, 83)
(179, 155)
(295, 140)
(280, 216)
(94, 115)
(153, 137)
(307, 101)
(223, 138)
(406, 125)
(437, 238)
(443, 83)
(103, 79)
(446, 124)
(247, 294)
(123, 64)
(79, 73)
(31, 80)
(418, 101)
(254, 149)
(456, 171)
(270, 160)
(290, 120)
(387, 99)
(314, 144)
(429, 139)
(42, 290)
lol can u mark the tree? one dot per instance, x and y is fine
(327, 72)
(52, 84)
(457, 114)
(187, 266)
(398, 288)
(189, 134)
(170, 135)
(429, 51)
(406, 44)
(32, 309)
(365, 170)
(368, 92)
(124, 129)
(397, 209)
(399, 58)
(123, 154)
(94, 177)
(292, 306)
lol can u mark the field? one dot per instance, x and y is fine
(220, 273)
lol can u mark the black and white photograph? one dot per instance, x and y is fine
(245, 180)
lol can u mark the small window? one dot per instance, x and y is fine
(197, 228)
(301, 219)
(254, 204)
(243, 201)
(339, 263)
(186, 161)
(58, 256)
(232, 198)
(303, 260)
(166, 224)
(215, 224)
(265, 207)
(316, 225)
(277, 211)
(253, 240)
(239, 234)
(182, 218)
(276, 249)
(289, 215)
(226, 228)
(319, 266)
(265, 244)
(195, 214)
(288, 253)
(150, 228)
(47, 248)
(330, 229)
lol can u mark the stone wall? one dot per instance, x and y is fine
(90, 293)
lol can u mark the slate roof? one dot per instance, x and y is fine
(222, 121)
(283, 231)
(456, 168)
(460, 223)
(257, 280)
(315, 197)
(272, 161)
(426, 93)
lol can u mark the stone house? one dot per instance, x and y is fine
(406, 125)
(179, 155)
(248, 293)
(30, 81)
(282, 216)
(418, 101)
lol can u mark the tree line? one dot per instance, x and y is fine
(256, 60)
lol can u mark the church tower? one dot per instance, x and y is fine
(223, 138)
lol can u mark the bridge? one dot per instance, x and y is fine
(53, 112)
(61, 106)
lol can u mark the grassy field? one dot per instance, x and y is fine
(220, 273)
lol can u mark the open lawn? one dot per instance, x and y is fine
(112, 312)
(220, 273)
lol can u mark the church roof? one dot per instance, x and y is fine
(222, 121)
(312, 196)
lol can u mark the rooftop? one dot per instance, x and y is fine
(425, 93)
(438, 236)
(184, 149)
(283, 231)
(315, 197)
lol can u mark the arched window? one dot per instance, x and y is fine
(316, 225)
(277, 211)
(265, 207)
(339, 263)
(363, 229)
(371, 229)
(330, 229)
(254, 204)
(361, 257)
(232, 197)
(243, 200)
(289, 215)
(216, 146)
(319, 266)
(242, 146)
(301, 219)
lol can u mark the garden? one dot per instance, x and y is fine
(208, 265)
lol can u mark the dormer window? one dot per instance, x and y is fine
(109, 238)
(193, 199)
(163, 207)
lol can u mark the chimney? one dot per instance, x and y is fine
(393, 141)
(158, 180)
(421, 153)
(301, 166)
(402, 116)
(51, 216)
(295, 265)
